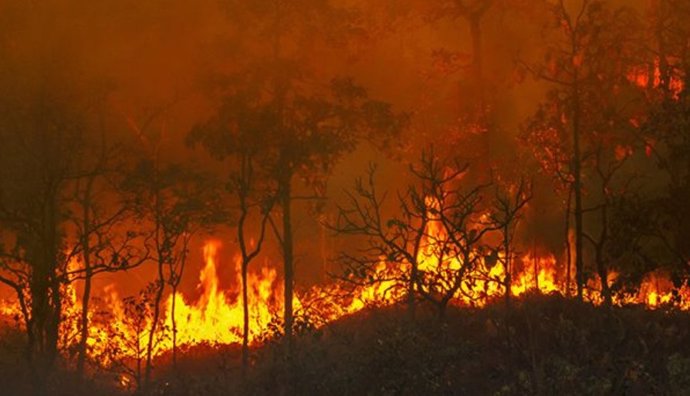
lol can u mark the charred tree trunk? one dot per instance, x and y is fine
(161, 256)
(411, 291)
(245, 324)
(45, 293)
(88, 274)
(154, 329)
(602, 269)
(577, 184)
(84, 329)
(603, 276)
(245, 267)
(568, 248)
(288, 261)
(53, 331)
(174, 327)
(508, 265)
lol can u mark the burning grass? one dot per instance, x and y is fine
(545, 344)
(525, 347)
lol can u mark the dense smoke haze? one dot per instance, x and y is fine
(125, 63)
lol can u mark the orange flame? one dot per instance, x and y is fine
(216, 317)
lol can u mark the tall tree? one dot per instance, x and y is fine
(313, 125)
(585, 64)
(295, 132)
(105, 237)
(42, 134)
(664, 131)
(176, 201)
(236, 136)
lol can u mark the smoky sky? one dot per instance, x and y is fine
(157, 55)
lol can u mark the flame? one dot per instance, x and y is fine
(216, 316)
(643, 77)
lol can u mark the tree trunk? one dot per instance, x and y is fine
(154, 328)
(411, 292)
(88, 273)
(84, 330)
(508, 268)
(603, 276)
(601, 261)
(161, 254)
(577, 187)
(174, 326)
(568, 249)
(288, 262)
(53, 323)
(45, 295)
(245, 324)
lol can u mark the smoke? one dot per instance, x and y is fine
(136, 58)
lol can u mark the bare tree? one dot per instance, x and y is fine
(607, 169)
(396, 240)
(435, 241)
(509, 201)
(99, 219)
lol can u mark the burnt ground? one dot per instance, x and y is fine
(543, 345)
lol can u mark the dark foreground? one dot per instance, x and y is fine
(545, 345)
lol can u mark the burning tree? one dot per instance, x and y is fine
(664, 131)
(308, 124)
(291, 133)
(505, 213)
(176, 202)
(105, 237)
(238, 132)
(586, 65)
(125, 349)
(438, 242)
(58, 226)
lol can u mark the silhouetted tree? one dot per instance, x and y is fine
(587, 65)
(435, 241)
(505, 213)
(176, 201)
(101, 222)
(237, 134)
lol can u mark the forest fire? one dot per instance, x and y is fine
(267, 197)
(216, 316)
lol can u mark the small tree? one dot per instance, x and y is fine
(102, 243)
(392, 240)
(175, 201)
(129, 329)
(435, 241)
(506, 210)
(248, 173)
